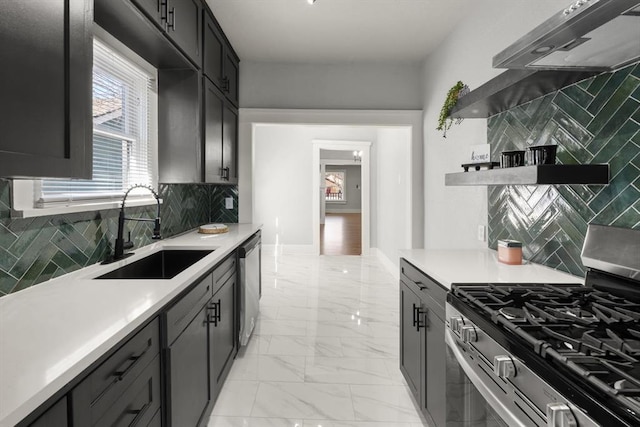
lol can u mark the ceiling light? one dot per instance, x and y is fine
(311, 1)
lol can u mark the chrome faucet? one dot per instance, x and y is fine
(120, 244)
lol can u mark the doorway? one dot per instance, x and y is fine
(341, 207)
(341, 231)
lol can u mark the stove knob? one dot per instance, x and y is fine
(456, 323)
(468, 333)
(560, 415)
(504, 367)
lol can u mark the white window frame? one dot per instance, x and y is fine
(344, 187)
(24, 192)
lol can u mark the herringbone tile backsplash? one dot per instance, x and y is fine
(594, 121)
(33, 250)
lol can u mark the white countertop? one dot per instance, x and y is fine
(480, 266)
(52, 332)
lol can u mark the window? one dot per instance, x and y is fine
(123, 132)
(335, 183)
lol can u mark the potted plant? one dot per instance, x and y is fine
(445, 121)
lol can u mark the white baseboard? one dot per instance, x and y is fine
(287, 249)
(344, 211)
(387, 263)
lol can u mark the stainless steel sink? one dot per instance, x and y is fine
(164, 264)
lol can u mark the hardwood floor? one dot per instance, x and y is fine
(341, 234)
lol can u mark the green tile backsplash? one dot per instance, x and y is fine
(33, 250)
(593, 121)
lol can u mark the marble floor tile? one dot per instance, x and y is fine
(346, 371)
(303, 400)
(305, 346)
(236, 398)
(383, 403)
(324, 352)
(268, 368)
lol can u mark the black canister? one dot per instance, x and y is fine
(510, 159)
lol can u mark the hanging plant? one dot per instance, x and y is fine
(445, 121)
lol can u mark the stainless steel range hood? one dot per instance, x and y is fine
(588, 35)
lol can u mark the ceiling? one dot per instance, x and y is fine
(330, 31)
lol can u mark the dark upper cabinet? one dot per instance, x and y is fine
(45, 81)
(179, 127)
(221, 64)
(230, 144)
(152, 8)
(183, 25)
(213, 121)
(231, 71)
(220, 137)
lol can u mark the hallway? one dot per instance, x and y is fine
(325, 350)
(341, 234)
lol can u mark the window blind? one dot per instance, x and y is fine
(122, 149)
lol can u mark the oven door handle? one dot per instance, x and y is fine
(493, 400)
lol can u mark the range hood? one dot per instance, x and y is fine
(588, 35)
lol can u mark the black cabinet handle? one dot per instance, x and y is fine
(214, 316)
(139, 414)
(171, 24)
(120, 374)
(219, 314)
(421, 286)
(417, 312)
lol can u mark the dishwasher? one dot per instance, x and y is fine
(250, 287)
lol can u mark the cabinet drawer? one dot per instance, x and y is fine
(93, 397)
(181, 313)
(426, 284)
(224, 271)
(139, 403)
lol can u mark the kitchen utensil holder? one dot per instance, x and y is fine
(542, 155)
(510, 159)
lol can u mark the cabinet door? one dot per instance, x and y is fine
(213, 52)
(222, 334)
(184, 27)
(435, 372)
(231, 71)
(152, 8)
(45, 82)
(56, 416)
(410, 339)
(230, 144)
(213, 121)
(188, 387)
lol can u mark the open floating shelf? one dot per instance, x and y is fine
(533, 175)
(513, 88)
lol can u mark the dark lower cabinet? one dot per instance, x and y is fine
(422, 342)
(125, 389)
(55, 416)
(222, 334)
(45, 82)
(187, 381)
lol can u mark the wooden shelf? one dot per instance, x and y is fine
(533, 175)
(513, 88)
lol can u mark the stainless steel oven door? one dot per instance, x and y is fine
(470, 399)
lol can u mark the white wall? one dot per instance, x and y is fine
(330, 86)
(282, 180)
(452, 214)
(282, 187)
(393, 192)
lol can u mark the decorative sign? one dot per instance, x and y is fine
(480, 153)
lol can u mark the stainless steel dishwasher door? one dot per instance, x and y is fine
(249, 287)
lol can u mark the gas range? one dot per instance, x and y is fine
(557, 355)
